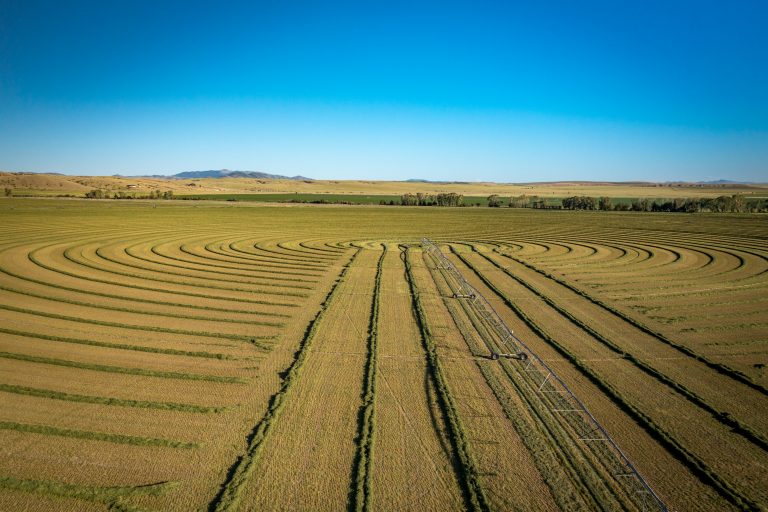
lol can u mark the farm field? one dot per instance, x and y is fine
(185, 355)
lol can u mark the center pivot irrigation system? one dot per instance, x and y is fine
(567, 410)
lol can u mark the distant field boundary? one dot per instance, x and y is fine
(546, 202)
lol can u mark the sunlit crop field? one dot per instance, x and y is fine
(210, 356)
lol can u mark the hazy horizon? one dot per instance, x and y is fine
(518, 92)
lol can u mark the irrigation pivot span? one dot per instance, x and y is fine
(630, 488)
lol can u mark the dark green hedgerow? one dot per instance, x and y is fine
(363, 469)
(102, 400)
(723, 417)
(228, 498)
(696, 465)
(474, 495)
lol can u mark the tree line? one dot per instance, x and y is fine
(421, 199)
(97, 193)
(735, 203)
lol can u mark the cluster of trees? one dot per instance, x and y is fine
(443, 199)
(590, 203)
(494, 201)
(579, 203)
(526, 201)
(155, 194)
(736, 203)
(8, 192)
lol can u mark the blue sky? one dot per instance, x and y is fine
(503, 91)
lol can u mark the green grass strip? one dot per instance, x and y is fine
(93, 436)
(280, 261)
(363, 470)
(121, 346)
(121, 369)
(101, 400)
(335, 253)
(468, 475)
(33, 258)
(237, 337)
(141, 312)
(84, 492)
(134, 299)
(40, 264)
(214, 266)
(99, 253)
(228, 499)
(94, 264)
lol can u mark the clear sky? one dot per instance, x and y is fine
(503, 91)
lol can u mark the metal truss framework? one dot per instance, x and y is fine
(565, 407)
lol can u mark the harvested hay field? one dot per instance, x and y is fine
(202, 356)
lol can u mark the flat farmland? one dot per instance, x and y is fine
(211, 356)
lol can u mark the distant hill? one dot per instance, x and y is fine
(226, 173)
(727, 182)
(419, 180)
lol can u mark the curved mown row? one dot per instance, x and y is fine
(180, 358)
(179, 321)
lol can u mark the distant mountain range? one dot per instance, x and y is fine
(226, 173)
(419, 180)
(221, 173)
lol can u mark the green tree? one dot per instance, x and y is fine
(518, 201)
(738, 203)
(494, 201)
